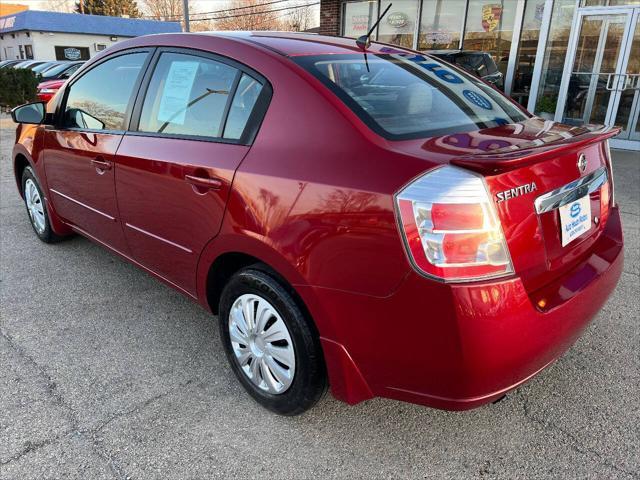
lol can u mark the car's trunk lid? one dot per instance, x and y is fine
(523, 162)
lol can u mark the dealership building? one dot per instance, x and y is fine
(576, 61)
(32, 34)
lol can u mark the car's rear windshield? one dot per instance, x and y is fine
(403, 95)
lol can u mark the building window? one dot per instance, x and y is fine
(554, 56)
(29, 51)
(399, 25)
(441, 24)
(531, 23)
(21, 50)
(489, 29)
(358, 17)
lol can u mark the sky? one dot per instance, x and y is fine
(195, 5)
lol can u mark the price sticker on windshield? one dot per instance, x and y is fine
(575, 219)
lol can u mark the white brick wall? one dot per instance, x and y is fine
(44, 43)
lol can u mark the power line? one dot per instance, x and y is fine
(267, 20)
(255, 13)
(216, 11)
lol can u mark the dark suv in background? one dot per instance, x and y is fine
(480, 64)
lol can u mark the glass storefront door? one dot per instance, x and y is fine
(595, 72)
(602, 84)
(629, 106)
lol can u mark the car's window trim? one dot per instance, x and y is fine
(59, 116)
(255, 117)
(227, 106)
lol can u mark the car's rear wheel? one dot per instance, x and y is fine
(270, 344)
(36, 208)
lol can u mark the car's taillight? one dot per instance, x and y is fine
(450, 226)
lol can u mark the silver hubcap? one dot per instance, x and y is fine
(35, 206)
(262, 344)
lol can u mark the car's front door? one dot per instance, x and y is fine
(174, 170)
(80, 149)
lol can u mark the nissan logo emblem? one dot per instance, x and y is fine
(582, 163)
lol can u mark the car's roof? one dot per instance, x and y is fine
(296, 44)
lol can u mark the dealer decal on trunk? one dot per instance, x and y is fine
(516, 192)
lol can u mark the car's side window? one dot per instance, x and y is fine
(98, 100)
(187, 95)
(244, 100)
(71, 71)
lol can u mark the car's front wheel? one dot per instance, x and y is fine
(270, 344)
(36, 208)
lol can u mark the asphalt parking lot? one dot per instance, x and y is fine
(107, 373)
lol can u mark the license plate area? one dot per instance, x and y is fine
(575, 219)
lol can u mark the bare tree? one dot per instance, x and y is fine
(59, 6)
(248, 15)
(170, 10)
(298, 19)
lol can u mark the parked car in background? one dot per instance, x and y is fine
(46, 90)
(9, 63)
(368, 218)
(480, 64)
(61, 71)
(30, 64)
(45, 66)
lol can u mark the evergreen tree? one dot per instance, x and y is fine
(112, 8)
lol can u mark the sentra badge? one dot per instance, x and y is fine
(516, 192)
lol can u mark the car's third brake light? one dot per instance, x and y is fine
(450, 226)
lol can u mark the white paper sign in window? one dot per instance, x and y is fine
(176, 92)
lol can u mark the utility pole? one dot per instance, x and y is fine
(185, 7)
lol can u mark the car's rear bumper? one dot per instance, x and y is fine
(459, 346)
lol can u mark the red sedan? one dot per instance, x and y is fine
(364, 217)
(46, 90)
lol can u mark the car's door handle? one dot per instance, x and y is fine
(204, 182)
(101, 164)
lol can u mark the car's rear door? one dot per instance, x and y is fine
(80, 148)
(194, 120)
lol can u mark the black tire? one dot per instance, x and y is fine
(310, 379)
(45, 234)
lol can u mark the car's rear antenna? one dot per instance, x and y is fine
(365, 40)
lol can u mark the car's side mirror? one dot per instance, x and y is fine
(33, 113)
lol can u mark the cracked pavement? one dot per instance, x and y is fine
(107, 373)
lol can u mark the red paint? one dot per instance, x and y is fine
(52, 86)
(313, 198)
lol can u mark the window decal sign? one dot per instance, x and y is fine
(398, 19)
(478, 99)
(176, 93)
(72, 53)
(360, 23)
(491, 16)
